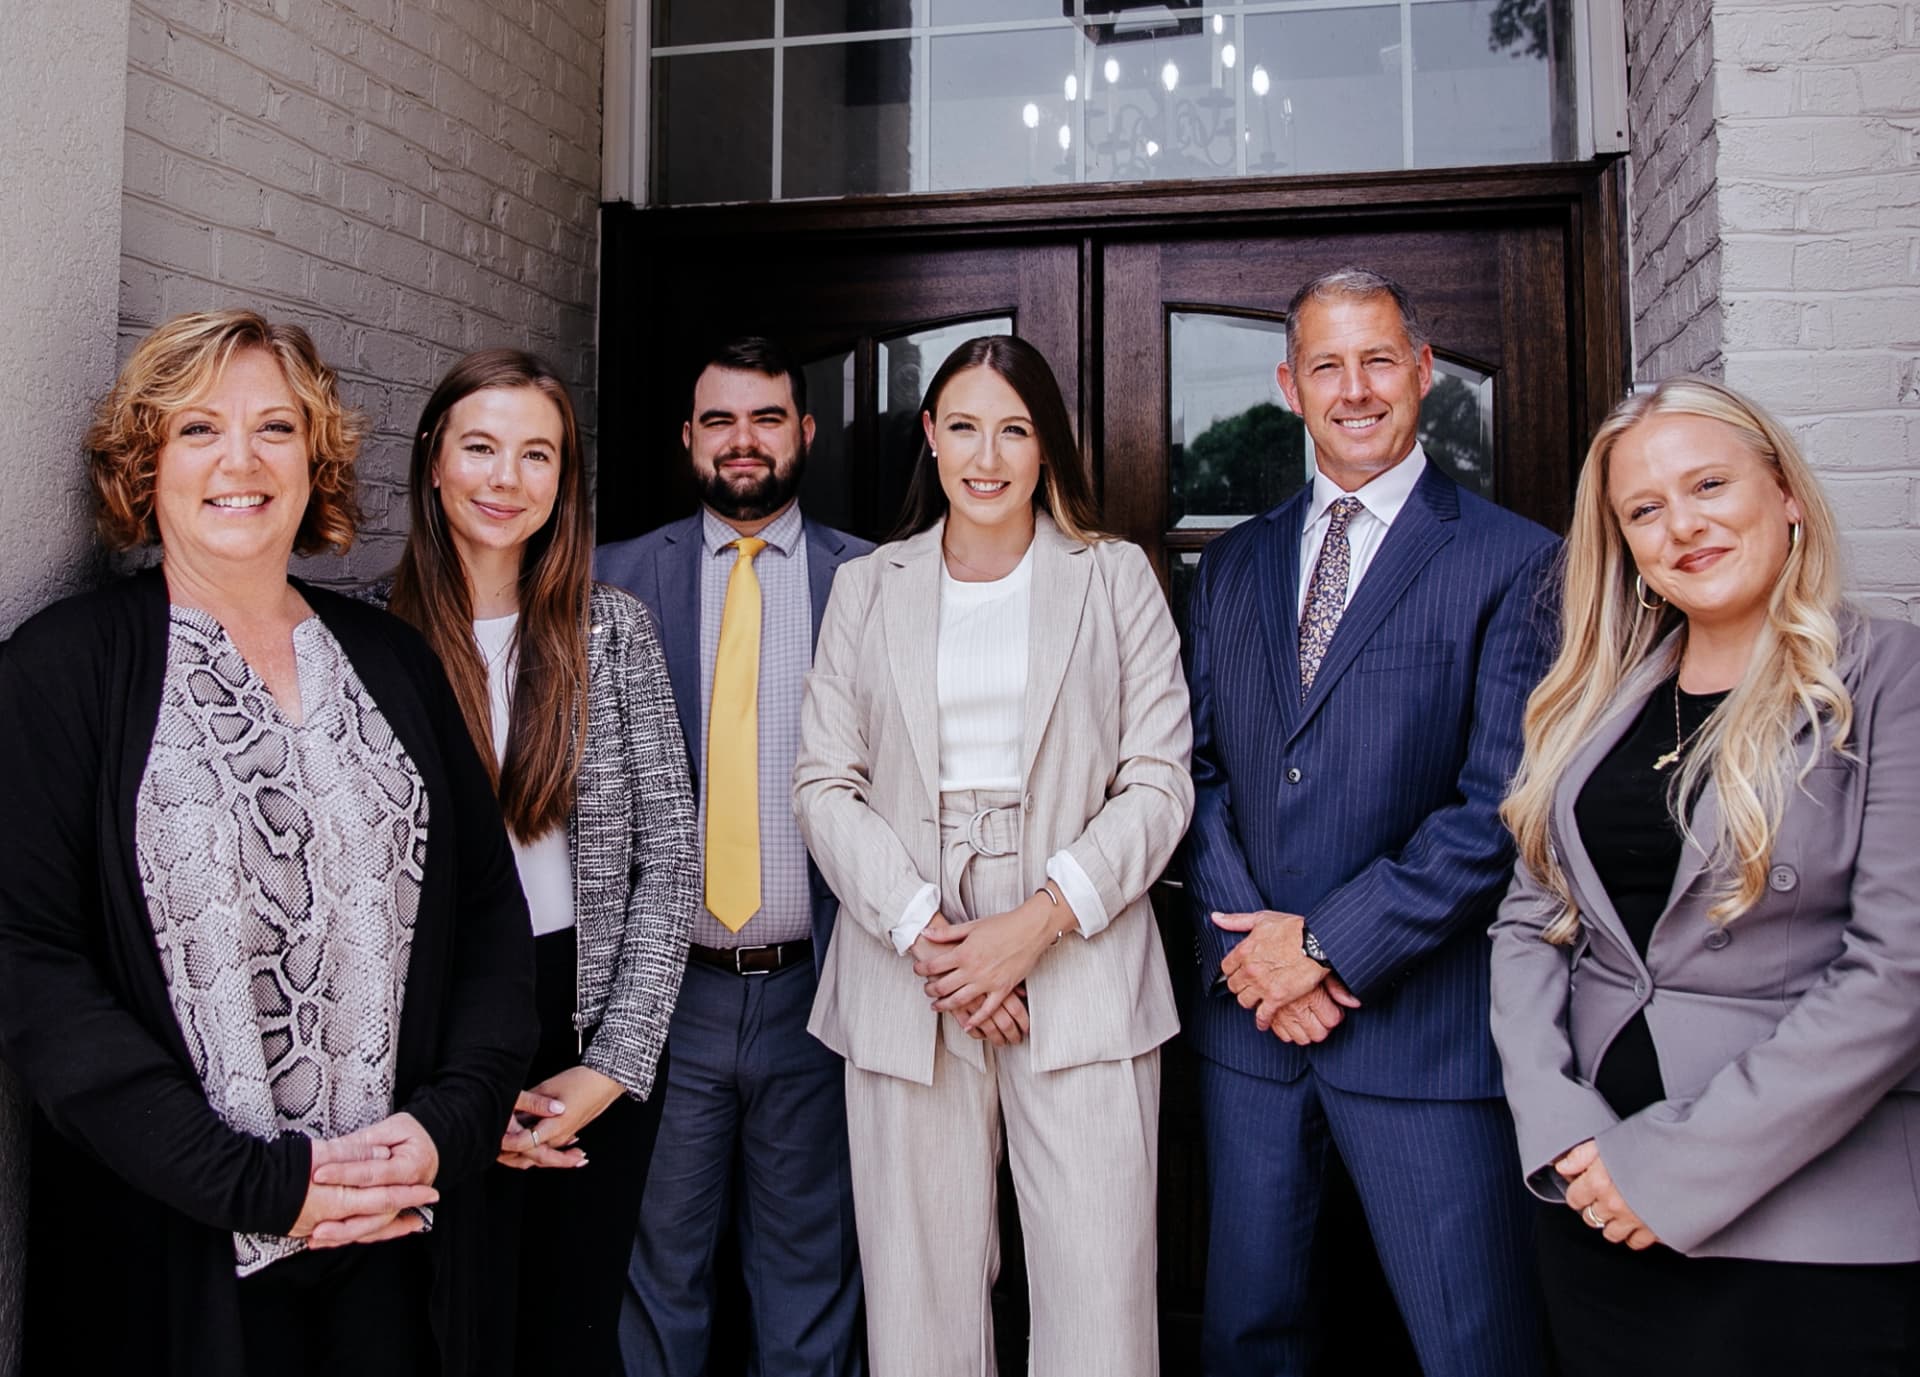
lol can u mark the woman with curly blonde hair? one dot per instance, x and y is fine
(264, 962)
(1706, 974)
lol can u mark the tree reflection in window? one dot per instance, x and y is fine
(1247, 461)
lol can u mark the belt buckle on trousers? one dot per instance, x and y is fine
(976, 840)
(765, 960)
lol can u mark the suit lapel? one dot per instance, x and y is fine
(1279, 600)
(911, 608)
(676, 572)
(1062, 571)
(824, 548)
(1705, 815)
(1423, 528)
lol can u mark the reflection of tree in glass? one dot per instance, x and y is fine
(1520, 24)
(1452, 433)
(1240, 464)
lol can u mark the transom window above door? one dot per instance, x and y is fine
(759, 100)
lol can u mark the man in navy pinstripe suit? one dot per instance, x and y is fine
(1360, 660)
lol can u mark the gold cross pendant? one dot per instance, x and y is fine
(1663, 761)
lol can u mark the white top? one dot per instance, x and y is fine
(1380, 502)
(546, 865)
(981, 677)
(980, 682)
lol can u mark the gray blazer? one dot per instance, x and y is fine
(636, 860)
(1105, 755)
(1789, 1041)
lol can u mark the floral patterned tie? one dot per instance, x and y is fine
(1327, 593)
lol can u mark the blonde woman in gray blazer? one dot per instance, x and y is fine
(992, 771)
(1706, 974)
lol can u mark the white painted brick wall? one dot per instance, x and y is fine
(1818, 115)
(408, 179)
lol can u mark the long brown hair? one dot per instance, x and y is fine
(547, 725)
(1064, 492)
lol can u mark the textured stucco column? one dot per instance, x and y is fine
(62, 117)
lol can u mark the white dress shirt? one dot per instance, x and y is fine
(1380, 502)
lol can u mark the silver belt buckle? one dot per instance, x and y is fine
(739, 969)
(974, 833)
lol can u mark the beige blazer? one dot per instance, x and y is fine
(1104, 765)
(1789, 1041)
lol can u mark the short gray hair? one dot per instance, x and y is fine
(1354, 284)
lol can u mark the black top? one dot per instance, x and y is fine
(1634, 842)
(137, 1185)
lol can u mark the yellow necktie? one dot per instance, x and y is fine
(733, 750)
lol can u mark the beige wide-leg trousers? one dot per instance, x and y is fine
(1082, 1143)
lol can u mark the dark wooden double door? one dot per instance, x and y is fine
(1160, 311)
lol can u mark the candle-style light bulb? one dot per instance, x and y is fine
(1228, 56)
(1260, 82)
(1170, 77)
(1112, 70)
(1073, 87)
(1030, 115)
(1066, 137)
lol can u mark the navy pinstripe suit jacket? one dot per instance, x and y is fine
(1371, 807)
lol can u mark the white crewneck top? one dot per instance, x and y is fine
(980, 685)
(546, 865)
(981, 677)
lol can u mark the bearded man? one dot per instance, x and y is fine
(753, 1132)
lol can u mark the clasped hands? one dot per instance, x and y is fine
(1292, 996)
(1592, 1195)
(543, 1129)
(369, 1186)
(977, 971)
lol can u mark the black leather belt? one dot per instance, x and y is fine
(753, 960)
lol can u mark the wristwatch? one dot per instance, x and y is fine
(1311, 946)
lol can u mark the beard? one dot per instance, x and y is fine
(754, 497)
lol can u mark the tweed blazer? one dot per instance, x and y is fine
(1789, 1040)
(636, 858)
(1104, 766)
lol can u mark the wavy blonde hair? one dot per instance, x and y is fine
(171, 369)
(1746, 745)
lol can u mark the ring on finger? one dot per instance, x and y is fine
(536, 1139)
(1593, 1218)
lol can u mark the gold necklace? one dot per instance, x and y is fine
(947, 550)
(1680, 743)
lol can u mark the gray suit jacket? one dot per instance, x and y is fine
(1105, 756)
(1789, 1042)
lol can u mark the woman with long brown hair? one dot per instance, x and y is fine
(992, 771)
(564, 689)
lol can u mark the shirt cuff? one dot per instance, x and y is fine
(914, 918)
(1079, 893)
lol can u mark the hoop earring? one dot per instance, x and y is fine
(1793, 537)
(1640, 595)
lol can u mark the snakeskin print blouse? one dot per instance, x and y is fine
(282, 867)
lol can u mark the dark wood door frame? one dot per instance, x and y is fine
(642, 248)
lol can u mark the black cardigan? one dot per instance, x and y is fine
(137, 1183)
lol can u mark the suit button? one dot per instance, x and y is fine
(1639, 989)
(1717, 939)
(1293, 775)
(1026, 804)
(1782, 878)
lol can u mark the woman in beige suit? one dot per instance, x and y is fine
(992, 771)
(1706, 976)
